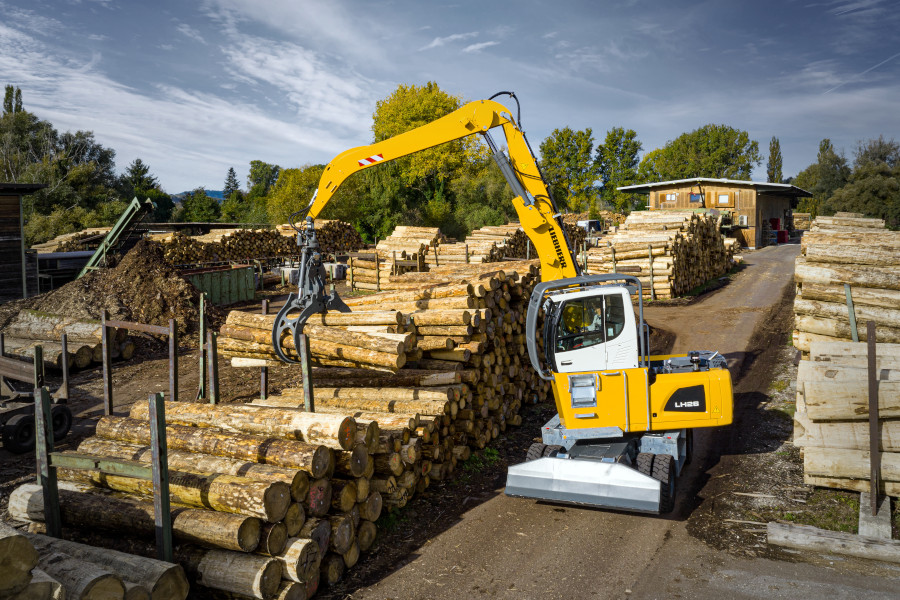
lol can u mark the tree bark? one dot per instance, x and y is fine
(164, 580)
(313, 428)
(81, 580)
(247, 574)
(17, 558)
(201, 463)
(318, 530)
(92, 510)
(314, 459)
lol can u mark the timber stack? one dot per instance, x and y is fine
(225, 245)
(671, 252)
(510, 239)
(845, 261)
(31, 328)
(831, 423)
(403, 251)
(37, 567)
(87, 239)
(335, 237)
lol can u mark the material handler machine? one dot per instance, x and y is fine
(624, 422)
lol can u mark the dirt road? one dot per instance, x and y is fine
(514, 548)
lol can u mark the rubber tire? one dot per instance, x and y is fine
(62, 421)
(551, 450)
(664, 472)
(535, 451)
(644, 463)
(18, 434)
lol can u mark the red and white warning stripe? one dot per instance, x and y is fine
(365, 162)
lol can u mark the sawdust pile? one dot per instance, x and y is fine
(143, 287)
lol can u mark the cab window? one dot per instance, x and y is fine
(580, 324)
(614, 316)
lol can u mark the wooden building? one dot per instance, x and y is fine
(751, 205)
(14, 280)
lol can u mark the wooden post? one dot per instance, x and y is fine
(874, 432)
(350, 283)
(173, 361)
(436, 257)
(46, 474)
(160, 467)
(107, 373)
(309, 404)
(213, 367)
(201, 391)
(63, 392)
(650, 258)
(264, 371)
(854, 333)
(377, 273)
(38, 366)
(467, 254)
(394, 267)
(613, 252)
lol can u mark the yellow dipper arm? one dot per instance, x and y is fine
(532, 201)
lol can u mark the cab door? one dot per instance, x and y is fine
(578, 336)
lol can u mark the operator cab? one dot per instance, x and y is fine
(592, 330)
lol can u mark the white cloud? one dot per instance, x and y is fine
(442, 41)
(188, 31)
(479, 46)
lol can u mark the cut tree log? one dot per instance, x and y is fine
(365, 535)
(272, 539)
(318, 500)
(885, 278)
(41, 587)
(807, 538)
(851, 435)
(849, 401)
(332, 568)
(247, 574)
(17, 558)
(318, 530)
(884, 317)
(848, 464)
(224, 493)
(82, 580)
(164, 580)
(312, 458)
(342, 533)
(312, 428)
(92, 510)
(300, 559)
(294, 519)
(861, 295)
(201, 463)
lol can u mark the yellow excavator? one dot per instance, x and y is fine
(623, 429)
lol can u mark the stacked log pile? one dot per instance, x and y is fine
(510, 239)
(857, 252)
(671, 252)
(36, 567)
(334, 236)
(87, 239)
(225, 245)
(334, 339)
(831, 423)
(403, 251)
(31, 328)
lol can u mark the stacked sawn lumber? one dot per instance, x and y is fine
(259, 494)
(31, 328)
(670, 251)
(37, 567)
(847, 250)
(831, 423)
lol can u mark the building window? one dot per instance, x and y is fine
(697, 198)
(725, 198)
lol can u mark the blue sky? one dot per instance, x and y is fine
(194, 88)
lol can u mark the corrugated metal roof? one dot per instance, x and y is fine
(784, 189)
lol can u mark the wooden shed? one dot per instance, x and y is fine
(14, 280)
(750, 205)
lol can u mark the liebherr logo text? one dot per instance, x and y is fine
(559, 252)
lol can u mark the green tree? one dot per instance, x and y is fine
(231, 183)
(832, 172)
(806, 180)
(262, 177)
(873, 190)
(483, 197)
(293, 191)
(197, 207)
(137, 180)
(876, 151)
(617, 164)
(163, 205)
(716, 151)
(569, 168)
(773, 166)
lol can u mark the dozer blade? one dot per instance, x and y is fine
(594, 483)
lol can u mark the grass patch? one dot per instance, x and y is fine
(779, 385)
(482, 460)
(390, 520)
(835, 510)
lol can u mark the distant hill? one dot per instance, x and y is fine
(217, 194)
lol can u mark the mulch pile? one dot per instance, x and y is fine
(142, 287)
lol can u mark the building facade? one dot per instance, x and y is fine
(752, 207)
